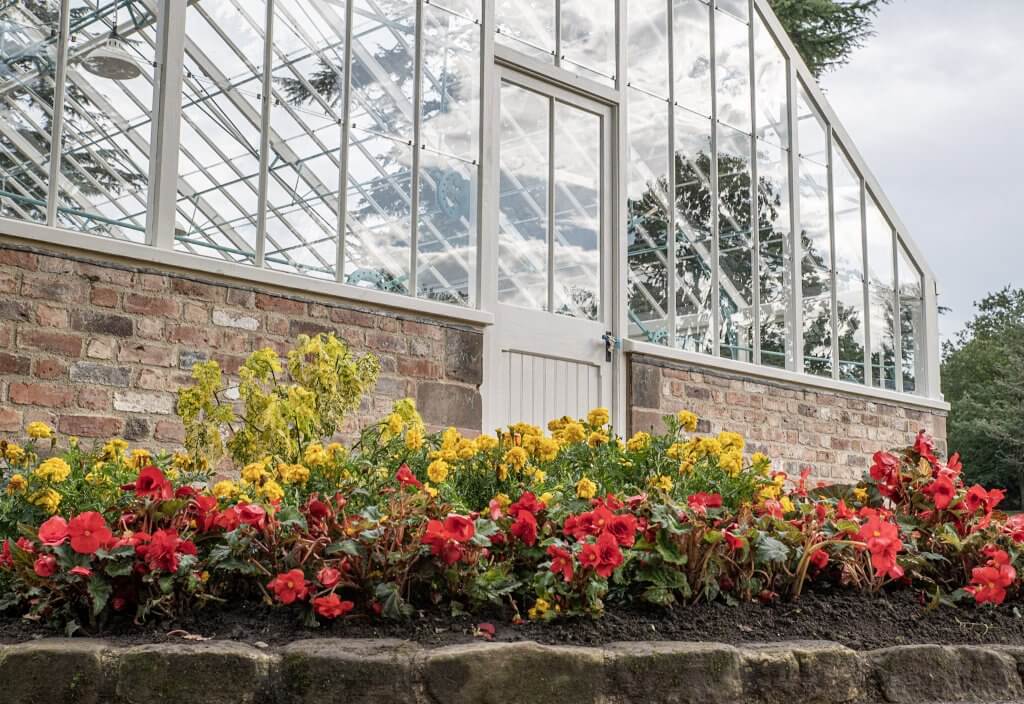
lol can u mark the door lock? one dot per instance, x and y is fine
(611, 343)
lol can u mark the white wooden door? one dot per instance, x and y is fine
(553, 231)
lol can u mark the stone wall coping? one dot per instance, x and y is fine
(681, 359)
(385, 671)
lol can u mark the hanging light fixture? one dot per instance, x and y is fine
(112, 60)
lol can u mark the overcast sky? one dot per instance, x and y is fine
(935, 103)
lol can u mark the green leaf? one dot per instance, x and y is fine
(771, 550)
(99, 592)
(291, 517)
(119, 569)
(348, 547)
(394, 605)
(668, 550)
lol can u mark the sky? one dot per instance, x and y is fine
(935, 104)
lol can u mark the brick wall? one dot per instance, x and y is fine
(832, 432)
(96, 349)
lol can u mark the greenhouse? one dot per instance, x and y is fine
(594, 186)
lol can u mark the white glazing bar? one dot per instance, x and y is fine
(897, 316)
(165, 137)
(486, 291)
(931, 386)
(715, 297)
(550, 307)
(755, 220)
(829, 146)
(795, 360)
(620, 261)
(868, 332)
(417, 129)
(267, 96)
(670, 240)
(346, 125)
(57, 125)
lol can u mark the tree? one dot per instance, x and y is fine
(826, 32)
(983, 379)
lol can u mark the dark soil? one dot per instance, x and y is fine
(858, 621)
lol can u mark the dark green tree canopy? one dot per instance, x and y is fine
(826, 32)
(983, 379)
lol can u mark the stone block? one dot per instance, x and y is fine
(104, 374)
(54, 671)
(449, 404)
(350, 671)
(645, 386)
(676, 673)
(464, 356)
(808, 672)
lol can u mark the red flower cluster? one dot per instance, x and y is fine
(447, 540)
(989, 583)
(524, 515)
(882, 538)
(289, 587)
(162, 550)
(612, 532)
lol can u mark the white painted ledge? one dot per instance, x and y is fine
(131, 253)
(758, 372)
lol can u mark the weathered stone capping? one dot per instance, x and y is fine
(832, 432)
(392, 672)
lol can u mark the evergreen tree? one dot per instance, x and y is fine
(826, 32)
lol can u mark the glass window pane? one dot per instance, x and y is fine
(849, 263)
(446, 244)
(523, 210)
(451, 84)
(308, 73)
(735, 245)
(732, 56)
(577, 216)
(693, 231)
(28, 49)
(880, 242)
(812, 130)
(692, 45)
(383, 37)
(883, 337)
(738, 8)
(774, 259)
(771, 79)
(647, 213)
(588, 39)
(527, 26)
(647, 51)
(816, 267)
(911, 321)
(220, 133)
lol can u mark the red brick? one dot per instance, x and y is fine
(195, 313)
(192, 335)
(49, 368)
(105, 274)
(433, 332)
(385, 341)
(150, 305)
(152, 282)
(278, 304)
(241, 298)
(419, 368)
(230, 364)
(277, 325)
(53, 342)
(104, 297)
(54, 287)
(10, 419)
(6, 334)
(170, 431)
(8, 283)
(51, 317)
(195, 289)
(94, 399)
(27, 394)
(90, 426)
(21, 260)
(14, 364)
(56, 265)
(146, 353)
(347, 316)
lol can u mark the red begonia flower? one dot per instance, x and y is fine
(45, 565)
(525, 528)
(331, 606)
(53, 532)
(405, 477)
(88, 532)
(561, 562)
(289, 587)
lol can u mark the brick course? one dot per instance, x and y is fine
(832, 432)
(97, 349)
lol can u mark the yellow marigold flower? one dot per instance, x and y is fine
(640, 441)
(315, 455)
(140, 458)
(449, 439)
(731, 461)
(761, 462)
(96, 478)
(517, 457)
(503, 472)
(293, 473)
(393, 425)
(224, 489)
(586, 489)
(16, 484)
(787, 504)
(503, 500)
(46, 499)
(336, 451)
(710, 447)
(181, 460)
(546, 449)
(53, 470)
(271, 490)
(597, 438)
(114, 449)
(539, 609)
(254, 472)
(172, 474)
(524, 429)
(663, 483)
(414, 438)
(437, 471)
(431, 491)
(547, 497)
(686, 466)
(598, 417)
(731, 441)
(539, 475)
(861, 494)
(14, 453)
(687, 420)
(557, 424)
(573, 432)
(466, 449)
(39, 430)
(486, 443)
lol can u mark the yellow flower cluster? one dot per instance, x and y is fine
(16, 484)
(14, 453)
(37, 430)
(585, 488)
(640, 441)
(53, 470)
(293, 473)
(46, 499)
(598, 417)
(687, 421)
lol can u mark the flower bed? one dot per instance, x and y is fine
(545, 524)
